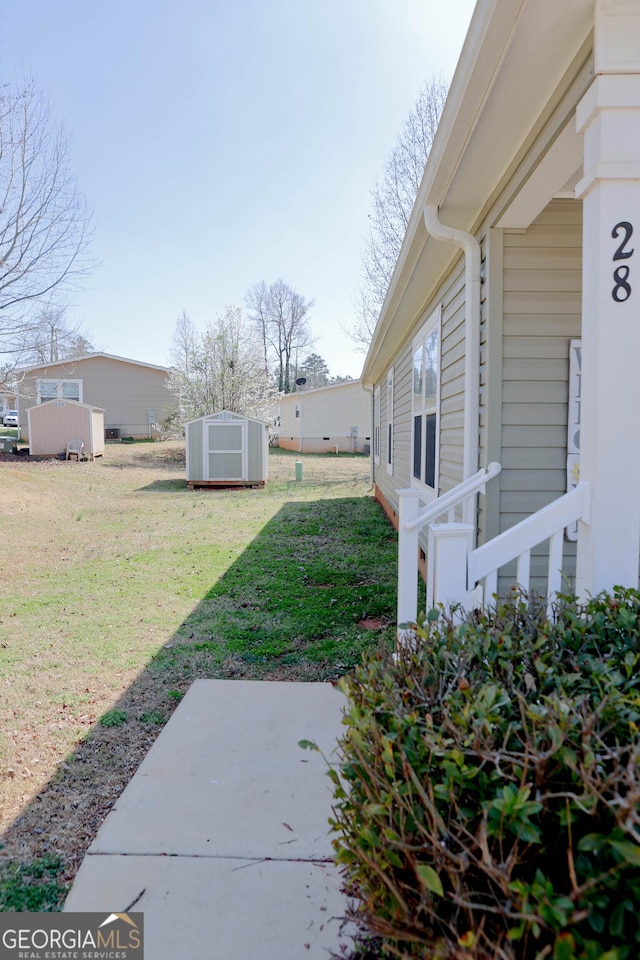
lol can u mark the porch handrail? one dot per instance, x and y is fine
(516, 543)
(453, 498)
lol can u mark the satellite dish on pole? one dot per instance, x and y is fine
(300, 382)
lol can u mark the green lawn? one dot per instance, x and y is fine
(126, 586)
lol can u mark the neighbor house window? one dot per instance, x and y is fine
(390, 421)
(425, 405)
(59, 390)
(376, 424)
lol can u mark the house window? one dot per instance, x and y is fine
(425, 403)
(376, 425)
(59, 390)
(390, 421)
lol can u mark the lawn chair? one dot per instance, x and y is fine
(75, 449)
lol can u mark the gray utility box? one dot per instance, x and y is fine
(7, 444)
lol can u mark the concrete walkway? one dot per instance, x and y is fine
(221, 837)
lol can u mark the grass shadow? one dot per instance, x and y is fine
(163, 486)
(297, 604)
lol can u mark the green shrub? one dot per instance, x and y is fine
(487, 794)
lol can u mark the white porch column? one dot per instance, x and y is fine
(609, 118)
(450, 543)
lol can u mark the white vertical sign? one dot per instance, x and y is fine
(573, 423)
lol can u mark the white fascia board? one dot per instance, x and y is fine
(493, 105)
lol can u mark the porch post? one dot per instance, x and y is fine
(609, 118)
(452, 543)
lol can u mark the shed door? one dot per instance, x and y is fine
(226, 445)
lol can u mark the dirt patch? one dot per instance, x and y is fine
(373, 623)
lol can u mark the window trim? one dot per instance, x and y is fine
(421, 407)
(59, 381)
(376, 425)
(390, 424)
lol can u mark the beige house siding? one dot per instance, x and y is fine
(541, 313)
(452, 381)
(388, 483)
(451, 297)
(326, 418)
(126, 390)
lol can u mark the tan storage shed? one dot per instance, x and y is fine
(226, 449)
(54, 424)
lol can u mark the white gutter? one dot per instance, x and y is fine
(471, 249)
(369, 388)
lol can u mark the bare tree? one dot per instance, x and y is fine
(48, 338)
(257, 301)
(393, 198)
(44, 223)
(280, 315)
(184, 344)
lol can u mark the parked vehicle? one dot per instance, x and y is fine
(10, 418)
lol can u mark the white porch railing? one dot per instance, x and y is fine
(458, 573)
(549, 523)
(411, 519)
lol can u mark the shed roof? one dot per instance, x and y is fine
(229, 413)
(518, 59)
(63, 401)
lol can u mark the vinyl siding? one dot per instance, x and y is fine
(195, 450)
(451, 297)
(452, 381)
(256, 451)
(387, 483)
(327, 416)
(125, 391)
(541, 313)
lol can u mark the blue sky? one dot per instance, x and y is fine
(223, 142)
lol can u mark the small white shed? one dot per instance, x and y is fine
(226, 449)
(54, 424)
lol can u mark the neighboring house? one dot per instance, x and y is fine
(8, 401)
(133, 395)
(328, 419)
(521, 254)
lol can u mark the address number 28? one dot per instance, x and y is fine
(622, 289)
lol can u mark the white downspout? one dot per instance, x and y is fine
(472, 254)
(369, 388)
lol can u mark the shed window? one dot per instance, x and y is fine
(59, 390)
(425, 402)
